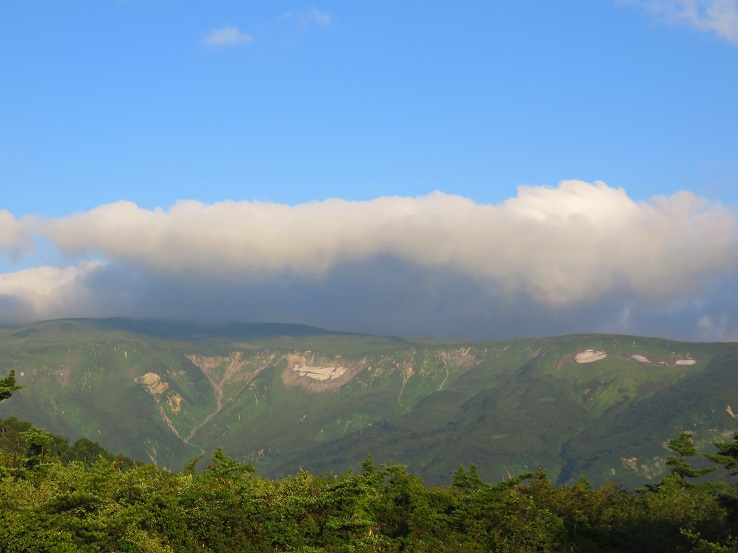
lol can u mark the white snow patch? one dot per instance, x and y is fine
(319, 373)
(589, 356)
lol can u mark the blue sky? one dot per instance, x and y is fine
(288, 105)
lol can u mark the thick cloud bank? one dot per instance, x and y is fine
(578, 257)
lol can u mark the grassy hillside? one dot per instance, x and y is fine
(288, 396)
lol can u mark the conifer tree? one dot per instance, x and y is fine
(7, 386)
(684, 447)
(727, 454)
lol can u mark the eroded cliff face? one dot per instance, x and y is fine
(315, 372)
(228, 377)
(153, 383)
(461, 357)
(319, 373)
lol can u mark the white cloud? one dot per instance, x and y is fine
(227, 36)
(13, 238)
(716, 329)
(310, 16)
(577, 257)
(44, 292)
(557, 245)
(320, 17)
(715, 16)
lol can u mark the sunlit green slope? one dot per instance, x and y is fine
(290, 396)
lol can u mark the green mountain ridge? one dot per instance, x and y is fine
(284, 397)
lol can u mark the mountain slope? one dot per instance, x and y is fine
(290, 396)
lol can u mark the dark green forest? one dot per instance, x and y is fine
(57, 496)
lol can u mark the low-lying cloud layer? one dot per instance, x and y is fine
(578, 257)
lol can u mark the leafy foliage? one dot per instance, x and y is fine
(73, 506)
(7, 386)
